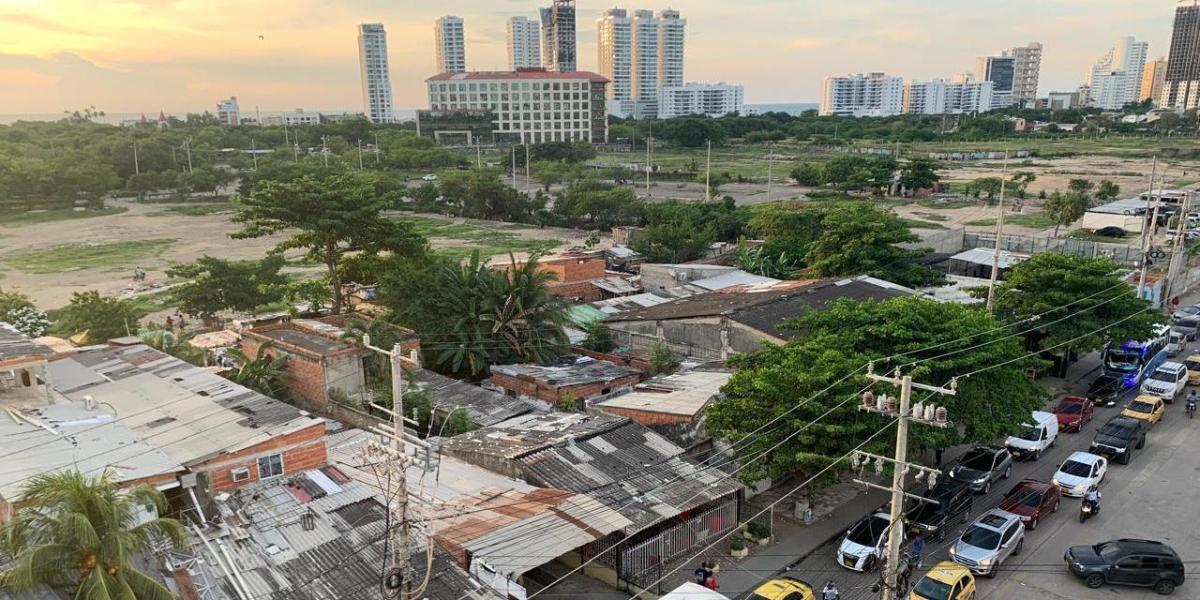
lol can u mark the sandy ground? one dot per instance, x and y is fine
(1133, 175)
(195, 236)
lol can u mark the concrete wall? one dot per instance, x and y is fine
(659, 277)
(554, 394)
(948, 241)
(709, 338)
(345, 374)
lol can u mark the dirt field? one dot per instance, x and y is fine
(193, 236)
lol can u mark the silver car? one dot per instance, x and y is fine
(991, 539)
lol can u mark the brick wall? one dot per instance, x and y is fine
(645, 417)
(555, 394)
(305, 376)
(302, 450)
(580, 291)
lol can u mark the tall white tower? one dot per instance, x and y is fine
(373, 67)
(524, 44)
(645, 60)
(450, 45)
(613, 52)
(671, 30)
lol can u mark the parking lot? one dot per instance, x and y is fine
(1156, 497)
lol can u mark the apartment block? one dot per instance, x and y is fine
(1181, 85)
(558, 36)
(524, 44)
(961, 94)
(1153, 78)
(862, 95)
(1002, 72)
(227, 111)
(1116, 78)
(450, 45)
(710, 99)
(373, 69)
(1027, 69)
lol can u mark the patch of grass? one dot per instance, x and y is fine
(944, 204)
(488, 240)
(932, 216)
(1081, 234)
(150, 303)
(50, 216)
(194, 210)
(919, 224)
(75, 257)
(1033, 220)
(981, 223)
(487, 250)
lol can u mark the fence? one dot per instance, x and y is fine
(642, 563)
(1123, 254)
(645, 341)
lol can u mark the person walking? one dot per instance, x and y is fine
(711, 582)
(917, 549)
(830, 592)
(703, 572)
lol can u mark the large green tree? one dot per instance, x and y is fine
(947, 338)
(919, 173)
(82, 533)
(330, 218)
(212, 284)
(1066, 208)
(860, 239)
(100, 317)
(673, 242)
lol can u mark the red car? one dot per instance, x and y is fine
(1032, 500)
(1073, 412)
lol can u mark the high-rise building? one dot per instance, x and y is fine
(1027, 69)
(1181, 88)
(1116, 78)
(710, 99)
(614, 54)
(1153, 77)
(373, 67)
(1001, 71)
(524, 44)
(961, 94)
(227, 111)
(645, 58)
(671, 31)
(558, 36)
(870, 95)
(450, 45)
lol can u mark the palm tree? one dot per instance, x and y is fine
(82, 533)
(263, 373)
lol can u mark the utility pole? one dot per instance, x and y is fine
(360, 165)
(708, 173)
(514, 167)
(991, 297)
(770, 163)
(1146, 235)
(649, 158)
(254, 153)
(478, 155)
(921, 413)
(285, 135)
(325, 149)
(1178, 254)
(136, 169)
(526, 165)
(174, 159)
(376, 147)
(188, 146)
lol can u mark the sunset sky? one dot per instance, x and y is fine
(183, 55)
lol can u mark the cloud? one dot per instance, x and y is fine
(37, 22)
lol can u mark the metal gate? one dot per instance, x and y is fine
(642, 563)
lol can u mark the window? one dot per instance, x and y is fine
(1008, 535)
(270, 466)
(1150, 562)
(1130, 562)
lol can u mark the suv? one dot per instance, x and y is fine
(1107, 390)
(981, 466)
(865, 544)
(1127, 562)
(1032, 500)
(1167, 381)
(1119, 437)
(950, 499)
(1188, 326)
(988, 541)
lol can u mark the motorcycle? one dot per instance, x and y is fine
(1087, 510)
(1191, 409)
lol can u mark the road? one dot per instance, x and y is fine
(1156, 496)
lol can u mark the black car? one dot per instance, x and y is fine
(948, 500)
(980, 467)
(1188, 326)
(1119, 437)
(1127, 562)
(1107, 390)
(1111, 231)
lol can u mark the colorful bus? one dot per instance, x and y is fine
(1132, 361)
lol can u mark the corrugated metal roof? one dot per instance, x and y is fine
(484, 406)
(721, 282)
(14, 345)
(684, 393)
(584, 370)
(985, 256)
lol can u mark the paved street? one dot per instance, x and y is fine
(1154, 497)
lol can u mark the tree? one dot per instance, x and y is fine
(1065, 209)
(28, 320)
(1107, 190)
(861, 240)
(809, 174)
(1082, 186)
(1020, 181)
(807, 377)
(1102, 307)
(663, 361)
(989, 186)
(550, 173)
(101, 318)
(335, 216)
(214, 285)
(674, 242)
(262, 373)
(599, 337)
(919, 173)
(83, 533)
(482, 194)
(10, 301)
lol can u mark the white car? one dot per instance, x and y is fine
(1175, 343)
(1167, 381)
(429, 177)
(1079, 472)
(865, 545)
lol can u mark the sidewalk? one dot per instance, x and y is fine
(793, 542)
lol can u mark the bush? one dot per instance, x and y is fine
(664, 361)
(599, 337)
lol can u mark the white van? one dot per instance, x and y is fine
(1036, 437)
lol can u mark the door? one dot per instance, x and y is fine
(956, 592)
(1099, 469)
(1126, 570)
(1149, 570)
(1008, 541)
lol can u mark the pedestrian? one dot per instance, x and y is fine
(711, 583)
(702, 573)
(830, 592)
(170, 322)
(918, 548)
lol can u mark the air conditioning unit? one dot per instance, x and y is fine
(240, 473)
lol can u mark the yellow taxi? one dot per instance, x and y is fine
(1146, 407)
(1193, 368)
(945, 581)
(783, 588)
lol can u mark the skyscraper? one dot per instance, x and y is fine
(373, 67)
(558, 36)
(1181, 89)
(645, 57)
(450, 45)
(1027, 69)
(870, 95)
(227, 111)
(613, 57)
(670, 48)
(524, 44)
(1152, 80)
(1116, 78)
(1001, 71)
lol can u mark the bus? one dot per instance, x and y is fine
(1133, 361)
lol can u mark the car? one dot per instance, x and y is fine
(1175, 343)
(1111, 231)
(980, 467)
(783, 588)
(865, 544)
(1036, 436)
(1079, 472)
(951, 500)
(1032, 500)
(1192, 364)
(1107, 390)
(1188, 326)
(429, 177)
(945, 581)
(1191, 310)
(993, 537)
(1147, 408)
(1073, 411)
(1119, 437)
(1142, 563)
(1167, 381)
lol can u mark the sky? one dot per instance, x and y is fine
(184, 55)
